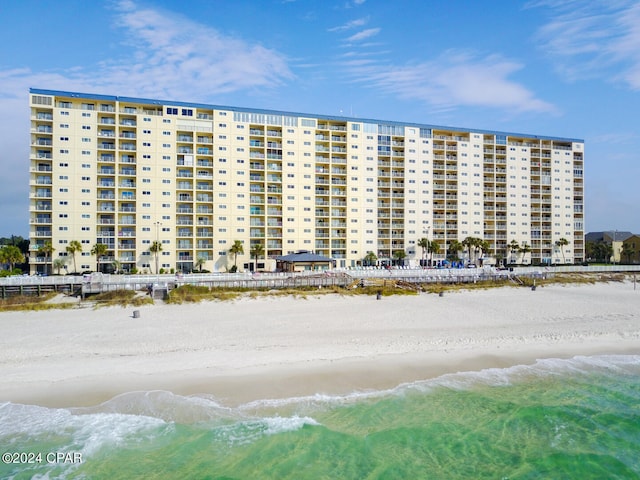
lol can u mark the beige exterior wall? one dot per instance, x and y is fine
(633, 245)
(128, 172)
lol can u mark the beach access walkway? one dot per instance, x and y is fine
(160, 285)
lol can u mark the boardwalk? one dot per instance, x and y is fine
(98, 283)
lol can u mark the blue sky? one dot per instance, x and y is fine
(567, 68)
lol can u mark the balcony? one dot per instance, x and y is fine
(42, 154)
(106, 158)
(43, 193)
(42, 206)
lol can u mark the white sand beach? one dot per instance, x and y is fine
(274, 347)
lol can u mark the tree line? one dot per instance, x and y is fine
(14, 252)
(475, 248)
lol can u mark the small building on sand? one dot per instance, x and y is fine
(303, 261)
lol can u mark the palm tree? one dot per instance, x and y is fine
(200, 261)
(156, 248)
(11, 254)
(454, 247)
(599, 251)
(471, 243)
(561, 243)
(606, 251)
(58, 263)
(117, 266)
(627, 251)
(257, 250)
(236, 249)
(424, 244)
(434, 247)
(400, 255)
(484, 246)
(47, 250)
(99, 250)
(514, 247)
(73, 247)
(590, 250)
(370, 259)
(524, 249)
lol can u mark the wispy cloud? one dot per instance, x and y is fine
(364, 34)
(618, 138)
(358, 22)
(596, 39)
(164, 55)
(171, 54)
(453, 80)
(354, 3)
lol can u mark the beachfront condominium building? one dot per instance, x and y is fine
(133, 173)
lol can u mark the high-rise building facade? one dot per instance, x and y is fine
(130, 172)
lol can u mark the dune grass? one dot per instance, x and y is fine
(122, 298)
(32, 303)
(192, 293)
(195, 293)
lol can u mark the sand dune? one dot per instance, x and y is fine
(281, 346)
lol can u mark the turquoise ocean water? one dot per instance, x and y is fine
(556, 419)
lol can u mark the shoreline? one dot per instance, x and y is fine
(279, 347)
